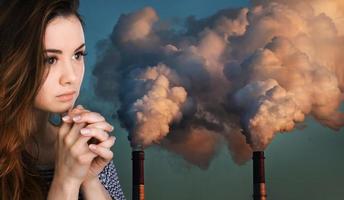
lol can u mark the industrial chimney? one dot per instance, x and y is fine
(138, 173)
(259, 189)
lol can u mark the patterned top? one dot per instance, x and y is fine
(108, 177)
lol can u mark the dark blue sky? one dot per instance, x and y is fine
(304, 164)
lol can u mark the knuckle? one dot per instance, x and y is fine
(105, 135)
(73, 152)
(110, 127)
(81, 159)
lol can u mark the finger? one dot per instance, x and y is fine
(88, 117)
(81, 142)
(103, 152)
(64, 130)
(74, 112)
(65, 126)
(79, 108)
(86, 158)
(73, 134)
(97, 133)
(108, 143)
(102, 125)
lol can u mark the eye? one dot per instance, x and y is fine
(50, 60)
(80, 54)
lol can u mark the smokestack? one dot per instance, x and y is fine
(259, 189)
(138, 174)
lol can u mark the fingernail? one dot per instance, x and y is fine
(112, 128)
(79, 106)
(77, 118)
(66, 118)
(85, 131)
(92, 146)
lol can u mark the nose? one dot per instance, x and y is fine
(68, 74)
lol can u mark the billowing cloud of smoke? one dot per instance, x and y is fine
(160, 104)
(237, 78)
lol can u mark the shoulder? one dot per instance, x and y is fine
(109, 178)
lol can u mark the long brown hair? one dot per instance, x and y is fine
(22, 73)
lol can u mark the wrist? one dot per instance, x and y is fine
(89, 181)
(67, 183)
(64, 188)
(94, 189)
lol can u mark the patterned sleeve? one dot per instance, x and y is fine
(108, 177)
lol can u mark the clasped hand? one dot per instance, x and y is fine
(91, 158)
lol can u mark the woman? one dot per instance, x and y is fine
(41, 71)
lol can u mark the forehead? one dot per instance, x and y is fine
(64, 33)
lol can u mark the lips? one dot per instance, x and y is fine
(66, 97)
(66, 94)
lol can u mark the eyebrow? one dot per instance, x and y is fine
(60, 52)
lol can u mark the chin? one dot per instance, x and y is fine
(62, 107)
(58, 107)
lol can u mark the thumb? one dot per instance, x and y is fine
(65, 126)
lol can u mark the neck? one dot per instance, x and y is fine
(45, 131)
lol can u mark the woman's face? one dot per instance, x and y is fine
(64, 46)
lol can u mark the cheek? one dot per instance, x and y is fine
(81, 72)
(42, 98)
(44, 94)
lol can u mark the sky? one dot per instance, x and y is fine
(306, 163)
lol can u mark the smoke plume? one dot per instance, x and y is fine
(236, 78)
